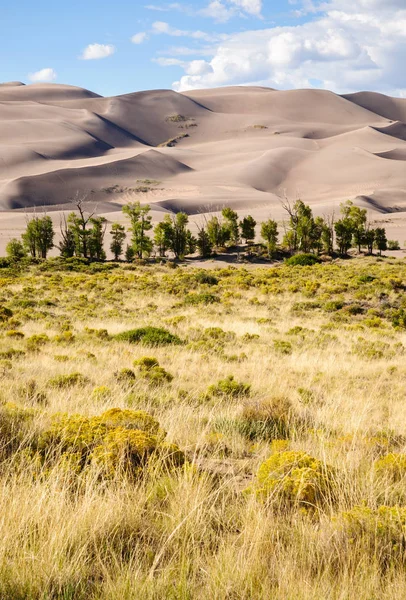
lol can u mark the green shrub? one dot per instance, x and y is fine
(333, 305)
(230, 388)
(203, 298)
(125, 376)
(204, 277)
(282, 347)
(15, 334)
(303, 260)
(146, 362)
(12, 353)
(295, 479)
(36, 341)
(66, 381)
(5, 313)
(399, 319)
(149, 336)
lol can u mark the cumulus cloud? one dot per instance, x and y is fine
(347, 46)
(139, 38)
(96, 51)
(44, 75)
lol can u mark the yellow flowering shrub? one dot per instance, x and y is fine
(292, 479)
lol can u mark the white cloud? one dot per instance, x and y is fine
(347, 46)
(96, 51)
(253, 7)
(217, 11)
(139, 38)
(223, 10)
(161, 27)
(44, 75)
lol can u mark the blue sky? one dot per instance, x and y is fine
(125, 46)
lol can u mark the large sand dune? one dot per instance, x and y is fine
(244, 147)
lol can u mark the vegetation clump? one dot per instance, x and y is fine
(67, 381)
(295, 479)
(229, 388)
(149, 336)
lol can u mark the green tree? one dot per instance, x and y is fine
(140, 223)
(15, 250)
(231, 224)
(67, 243)
(204, 244)
(218, 232)
(358, 218)
(162, 235)
(129, 253)
(369, 239)
(269, 233)
(38, 238)
(96, 238)
(247, 226)
(381, 242)
(180, 237)
(343, 230)
(118, 236)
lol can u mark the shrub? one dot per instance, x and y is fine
(15, 334)
(5, 313)
(230, 388)
(12, 353)
(333, 305)
(260, 420)
(102, 392)
(303, 260)
(119, 442)
(203, 298)
(66, 381)
(125, 376)
(206, 278)
(393, 245)
(392, 467)
(36, 341)
(380, 532)
(295, 479)
(282, 347)
(149, 336)
(399, 319)
(146, 362)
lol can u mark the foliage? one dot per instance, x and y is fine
(295, 479)
(247, 227)
(149, 336)
(140, 223)
(67, 381)
(38, 238)
(229, 388)
(15, 250)
(302, 260)
(269, 232)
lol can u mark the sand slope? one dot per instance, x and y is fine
(244, 147)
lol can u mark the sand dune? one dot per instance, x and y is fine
(244, 147)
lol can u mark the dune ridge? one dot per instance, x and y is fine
(244, 147)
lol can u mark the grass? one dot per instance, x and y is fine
(299, 369)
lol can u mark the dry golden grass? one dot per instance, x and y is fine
(200, 531)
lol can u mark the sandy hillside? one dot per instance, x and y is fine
(244, 147)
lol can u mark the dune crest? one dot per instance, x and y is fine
(238, 146)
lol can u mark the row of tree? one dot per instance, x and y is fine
(83, 233)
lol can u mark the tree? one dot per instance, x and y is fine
(269, 232)
(118, 236)
(140, 223)
(15, 250)
(203, 243)
(218, 232)
(78, 224)
(129, 253)
(381, 243)
(344, 230)
(247, 226)
(38, 238)
(358, 218)
(304, 232)
(67, 243)
(369, 239)
(180, 237)
(162, 235)
(96, 238)
(231, 224)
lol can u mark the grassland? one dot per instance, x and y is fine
(260, 454)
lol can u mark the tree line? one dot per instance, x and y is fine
(82, 234)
